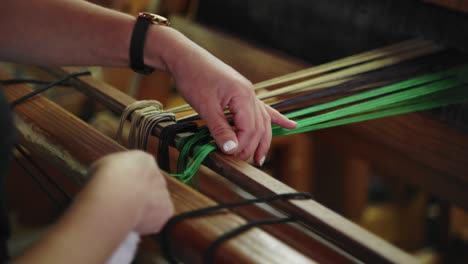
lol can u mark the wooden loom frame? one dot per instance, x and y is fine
(434, 153)
(42, 121)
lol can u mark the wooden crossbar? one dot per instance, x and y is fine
(58, 136)
(348, 236)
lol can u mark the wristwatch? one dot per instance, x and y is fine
(137, 44)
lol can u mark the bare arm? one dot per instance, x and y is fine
(75, 32)
(126, 193)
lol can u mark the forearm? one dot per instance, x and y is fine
(65, 32)
(91, 229)
(76, 32)
(127, 192)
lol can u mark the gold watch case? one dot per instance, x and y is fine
(155, 19)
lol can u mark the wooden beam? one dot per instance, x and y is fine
(335, 228)
(433, 145)
(62, 138)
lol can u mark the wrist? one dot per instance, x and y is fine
(162, 43)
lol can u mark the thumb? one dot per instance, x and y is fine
(222, 132)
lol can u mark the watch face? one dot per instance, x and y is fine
(156, 19)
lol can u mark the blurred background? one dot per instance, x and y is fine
(348, 171)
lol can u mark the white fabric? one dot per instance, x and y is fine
(126, 251)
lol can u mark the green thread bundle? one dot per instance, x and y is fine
(417, 94)
(421, 93)
(185, 172)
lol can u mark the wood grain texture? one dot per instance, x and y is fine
(323, 221)
(347, 235)
(83, 145)
(223, 191)
(432, 144)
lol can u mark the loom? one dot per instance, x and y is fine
(40, 123)
(67, 143)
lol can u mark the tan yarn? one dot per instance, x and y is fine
(145, 115)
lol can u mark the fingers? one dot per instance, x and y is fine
(279, 119)
(221, 131)
(157, 205)
(248, 128)
(265, 140)
(157, 210)
(252, 119)
(134, 178)
(209, 85)
(253, 125)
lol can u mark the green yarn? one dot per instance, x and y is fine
(185, 173)
(417, 94)
(199, 155)
(185, 147)
(402, 109)
(421, 93)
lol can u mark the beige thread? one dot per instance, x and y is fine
(145, 115)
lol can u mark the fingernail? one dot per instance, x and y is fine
(262, 160)
(230, 145)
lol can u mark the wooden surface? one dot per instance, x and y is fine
(431, 144)
(416, 138)
(392, 148)
(222, 190)
(343, 233)
(46, 129)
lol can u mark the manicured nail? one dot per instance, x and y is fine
(230, 145)
(262, 160)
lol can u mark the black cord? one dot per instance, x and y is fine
(209, 255)
(165, 234)
(167, 137)
(47, 87)
(29, 81)
(39, 183)
(24, 154)
(41, 170)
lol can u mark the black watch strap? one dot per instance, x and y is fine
(137, 46)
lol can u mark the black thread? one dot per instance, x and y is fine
(167, 137)
(24, 154)
(42, 171)
(209, 255)
(47, 87)
(28, 81)
(39, 183)
(165, 234)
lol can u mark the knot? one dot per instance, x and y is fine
(166, 137)
(145, 115)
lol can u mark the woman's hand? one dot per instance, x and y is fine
(126, 193)
(211, 86)
(133, 180)
(208, 84)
